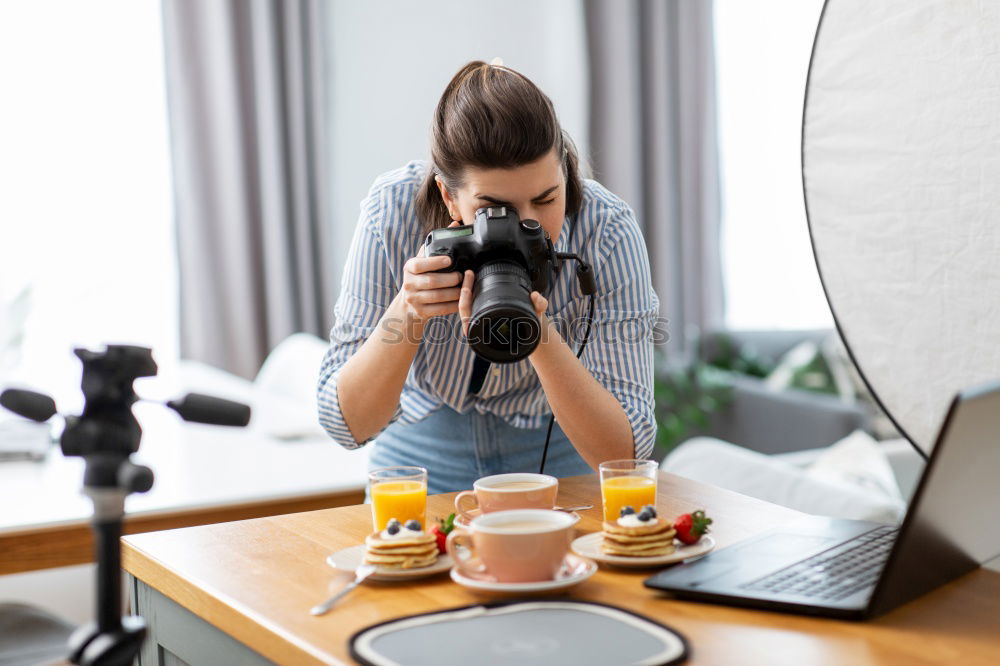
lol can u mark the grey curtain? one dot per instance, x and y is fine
(245, 99)
(654, 143)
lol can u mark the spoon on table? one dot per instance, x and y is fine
(362, 572)
(570, 509)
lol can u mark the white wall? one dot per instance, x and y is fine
(389, 61)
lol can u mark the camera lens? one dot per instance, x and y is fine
(504, 327)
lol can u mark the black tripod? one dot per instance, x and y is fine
(105, 435)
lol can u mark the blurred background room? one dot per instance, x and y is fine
(186, 175)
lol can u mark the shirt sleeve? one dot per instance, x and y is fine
(367, 289)
(619, 353)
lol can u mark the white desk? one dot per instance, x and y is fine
(204, 474)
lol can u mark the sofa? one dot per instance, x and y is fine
(763, 419)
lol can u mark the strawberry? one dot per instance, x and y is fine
(690, 526)
(441, 531)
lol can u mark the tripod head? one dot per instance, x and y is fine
(107, 432)
(107, 425)
(105, 435)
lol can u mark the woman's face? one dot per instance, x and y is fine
(537, 190)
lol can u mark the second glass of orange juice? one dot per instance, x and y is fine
(400, 493)
(627, 483)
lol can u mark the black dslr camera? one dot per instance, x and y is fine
(511, 258)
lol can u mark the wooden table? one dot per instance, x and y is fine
(255, 581)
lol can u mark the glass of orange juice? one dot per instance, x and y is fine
(627, 483)
(398, 492)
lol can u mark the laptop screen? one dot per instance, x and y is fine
(950, 527)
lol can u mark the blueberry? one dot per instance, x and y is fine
(626, 511)
(413, 525)
(651, 509)
(645, 516)
(393, 527)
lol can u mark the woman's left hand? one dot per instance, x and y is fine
(465, 301)
(541, 304)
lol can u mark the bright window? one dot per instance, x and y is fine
(85, 192)
(762, 55)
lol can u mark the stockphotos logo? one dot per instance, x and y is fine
(626, 330)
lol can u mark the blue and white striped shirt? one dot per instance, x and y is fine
(619, 353)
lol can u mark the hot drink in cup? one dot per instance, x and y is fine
(520, 546)
(504, 492)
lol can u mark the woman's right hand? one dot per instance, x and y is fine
(428, 294)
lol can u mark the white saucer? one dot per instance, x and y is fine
(351, 558)
(590, 546)
(574, 570)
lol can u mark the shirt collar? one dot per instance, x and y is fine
(563, 242)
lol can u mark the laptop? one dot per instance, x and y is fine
(855, 569)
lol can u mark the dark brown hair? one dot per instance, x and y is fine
(492, 117)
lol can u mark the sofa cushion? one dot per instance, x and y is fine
(765, 477)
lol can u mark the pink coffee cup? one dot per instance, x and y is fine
(503, 492)
(520, 546)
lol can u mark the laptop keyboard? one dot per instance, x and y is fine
(833, 574)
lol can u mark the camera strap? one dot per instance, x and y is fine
(480, 368)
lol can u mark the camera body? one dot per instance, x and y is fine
(498, 234)
(511, 258)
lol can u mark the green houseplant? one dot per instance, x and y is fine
(687, 396)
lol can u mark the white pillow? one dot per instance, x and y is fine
(858, 461)
(285, 388)
(758, 475)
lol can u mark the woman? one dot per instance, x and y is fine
(396, 369)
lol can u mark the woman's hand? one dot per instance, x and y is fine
(540, 303)
(465, 301)
(428, 294)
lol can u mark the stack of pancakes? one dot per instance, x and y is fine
(652, 539)
(407, 552)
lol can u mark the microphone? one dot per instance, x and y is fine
(29, 404)
(201, 408)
